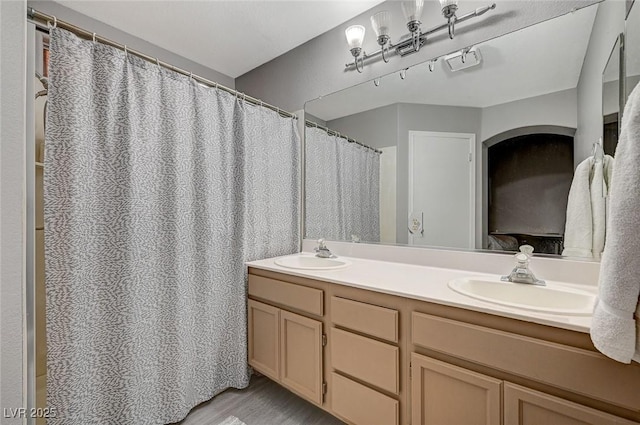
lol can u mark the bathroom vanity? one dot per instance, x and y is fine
(381, 343)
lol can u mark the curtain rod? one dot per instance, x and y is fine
(342, 136)
(45, 21)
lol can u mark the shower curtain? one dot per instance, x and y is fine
(157, 189)
(342, 189)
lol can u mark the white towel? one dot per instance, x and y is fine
(600, 183)
(578, 230)
(614, 328)
(584, 233)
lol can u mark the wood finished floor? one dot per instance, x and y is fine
(263, 403)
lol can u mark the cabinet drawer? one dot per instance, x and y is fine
(366, 359)
(366, 318)
(361, 405)
(581, 371)
(298, 297)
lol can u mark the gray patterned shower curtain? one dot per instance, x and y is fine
(342, 189)
(157, 189)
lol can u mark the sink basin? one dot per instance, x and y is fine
(553, 298)
(311, 262)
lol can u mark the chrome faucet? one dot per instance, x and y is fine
(521, 272)
(322, 251)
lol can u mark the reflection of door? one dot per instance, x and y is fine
(388, 195)
(442, 189)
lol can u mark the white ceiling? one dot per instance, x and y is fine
(232, 37)
(537, 60)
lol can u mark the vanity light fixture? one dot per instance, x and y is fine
(381, 23)
(408, 43)
(355, 37)
(412, 11)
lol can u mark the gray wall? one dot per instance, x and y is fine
(559, 108)
(83, 21)
(611, 97)
(608, 25)
(313, 118)
(317, 67)
(12, 169)
(377, 128)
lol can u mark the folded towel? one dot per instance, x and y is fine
(578, 233)
(600, 181)
(614, 327)
(587, 208)
(598, 194)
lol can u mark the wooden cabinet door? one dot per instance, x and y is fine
(301, 355)
(523, 406)
(263, 338)
(443, 394)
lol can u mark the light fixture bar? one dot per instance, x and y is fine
(406, 47)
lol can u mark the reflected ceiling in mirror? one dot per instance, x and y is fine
(540, 59)
(475, 158)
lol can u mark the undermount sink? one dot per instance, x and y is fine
(554, 299)
(311, 262)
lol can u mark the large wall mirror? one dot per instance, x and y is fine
(474, 150)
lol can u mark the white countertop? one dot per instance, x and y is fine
(427, 284)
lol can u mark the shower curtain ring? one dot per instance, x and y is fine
(158, 62)
(126, 52)
(94, 38)
(191, 75)
(55, 23)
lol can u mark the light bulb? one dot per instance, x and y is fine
(381, 23)
(355, 36)
(412, 10)
(445, 3)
